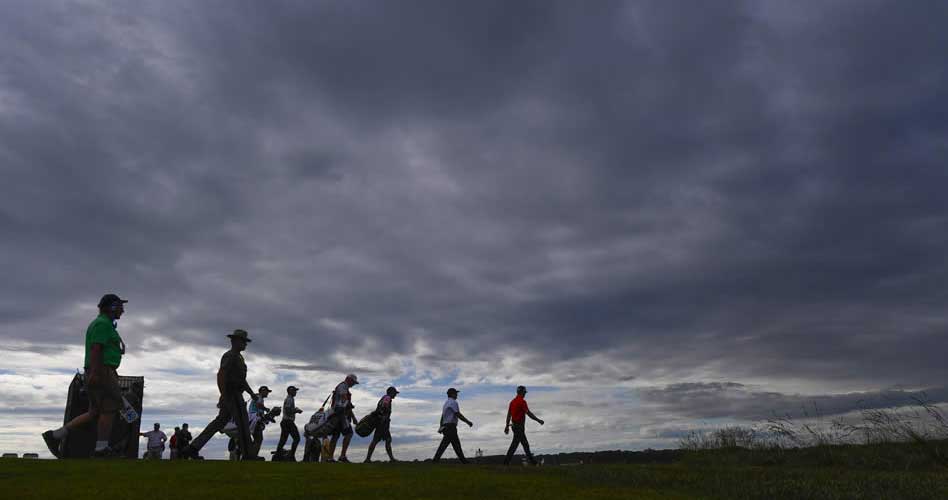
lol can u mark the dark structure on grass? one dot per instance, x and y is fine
(79, 443)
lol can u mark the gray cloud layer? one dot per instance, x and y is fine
(753, 188)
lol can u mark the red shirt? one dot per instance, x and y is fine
(518, 409)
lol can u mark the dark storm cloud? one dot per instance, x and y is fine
(753, 186)
(730, 400)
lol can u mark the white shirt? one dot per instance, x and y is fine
(289, 409)
(449, 413)
(155, 438)
(341, 397)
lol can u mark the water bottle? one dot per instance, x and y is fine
(128, 412)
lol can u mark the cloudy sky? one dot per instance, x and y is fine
(659, 216)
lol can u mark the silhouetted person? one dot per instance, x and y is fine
(173, 444)
(517, 413)
(104, 350)
(383, 431)
(258, 416)
(450, 414)
(343, 418)
(232, 383)
(184, 439)
(288, 424)
(156, 442)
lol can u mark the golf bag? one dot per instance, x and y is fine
(368, 424)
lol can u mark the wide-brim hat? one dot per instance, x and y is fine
(240, 334)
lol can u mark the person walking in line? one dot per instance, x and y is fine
(231, 383)
(450, 414)
(173, 444)
(156, 442)
(104, 350)
(383, 431)
(288, 425)
(258, 415)
(341, 411)
(517, 413)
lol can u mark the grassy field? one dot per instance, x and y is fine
(141, 480)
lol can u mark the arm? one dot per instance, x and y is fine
(507, 427)
(246, 388)
(465, 420)
(534, 417)
(96, 367)
(351, 415)
(221, 379)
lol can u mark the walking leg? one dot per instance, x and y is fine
(243, 429)
(526, 446)
(223, 416)
(456, 443)
(443, 446)
(284, 433)
(368, 456)
(295, 434)
(513, 448)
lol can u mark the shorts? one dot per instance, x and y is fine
(106, 395)
(340, 425)
(383, 432)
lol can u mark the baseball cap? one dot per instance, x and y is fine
(263, 388)
(391, 389)
(355, 380)
(292, 388)
(521, 388)
(453, 391)
(110, 299)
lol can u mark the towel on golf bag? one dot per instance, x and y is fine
(333, 423)
(368, 424)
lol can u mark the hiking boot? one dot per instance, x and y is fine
(367, 461)
(53, 444)
(344, 460)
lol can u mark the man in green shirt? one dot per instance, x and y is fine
(104, 350)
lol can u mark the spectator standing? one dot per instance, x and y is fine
(450, 415)
(184, 439)
(156, 442)
(517, 413)
(173, 444)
